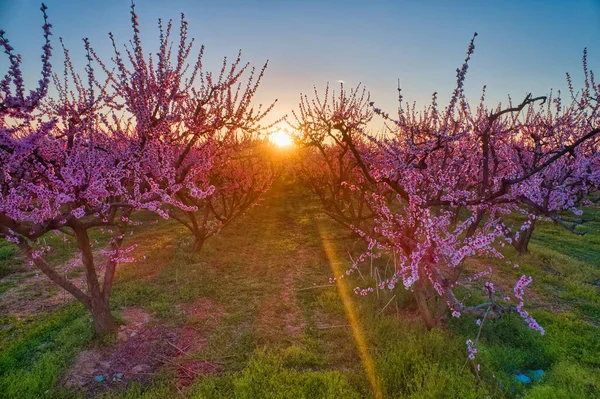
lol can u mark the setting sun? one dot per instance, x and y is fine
(281, 138)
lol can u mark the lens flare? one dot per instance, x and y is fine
(349, 307)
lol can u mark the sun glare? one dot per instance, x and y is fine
(281, 138)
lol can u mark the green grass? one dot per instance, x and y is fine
(279, 334)
(31, 364)
(9, 264)
(580, 247)
(265, 376)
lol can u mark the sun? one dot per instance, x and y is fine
(281, 138)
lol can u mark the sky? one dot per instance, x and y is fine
(522, 46)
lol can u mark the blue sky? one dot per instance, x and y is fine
(523, 46)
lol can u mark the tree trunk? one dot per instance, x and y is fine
(103, 320)
(521, 245)
(198, 243)
(421, 297)
(104, 323)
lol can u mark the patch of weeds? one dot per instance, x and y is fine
(232, 341)
(76, 272)
(160, 388)
(419, 364)
(569, 381)
(213, 387)
(330, 302)
(8, 263)
(505, 348)
(570, 338)
(5, 286)
(267, 377)
(300, 358)
(31, 365)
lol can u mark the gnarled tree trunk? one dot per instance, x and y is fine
(104, 323)
(522, 244)
(198, 242)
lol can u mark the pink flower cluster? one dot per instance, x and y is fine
(471, 348)
(363, 291)
(519, 291)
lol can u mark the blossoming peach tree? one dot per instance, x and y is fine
(571, 181)
(61, 172)
(456, 174)
(324, 163)
(242, 171)
(208, 124)
(104, 148)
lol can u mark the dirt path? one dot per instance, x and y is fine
(280, 318)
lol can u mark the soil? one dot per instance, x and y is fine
(280, 311)
(143, 348)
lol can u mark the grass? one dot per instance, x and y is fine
(31, 364)
(9, 264)
(280, 331)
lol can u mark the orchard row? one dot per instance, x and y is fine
(158, 133)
